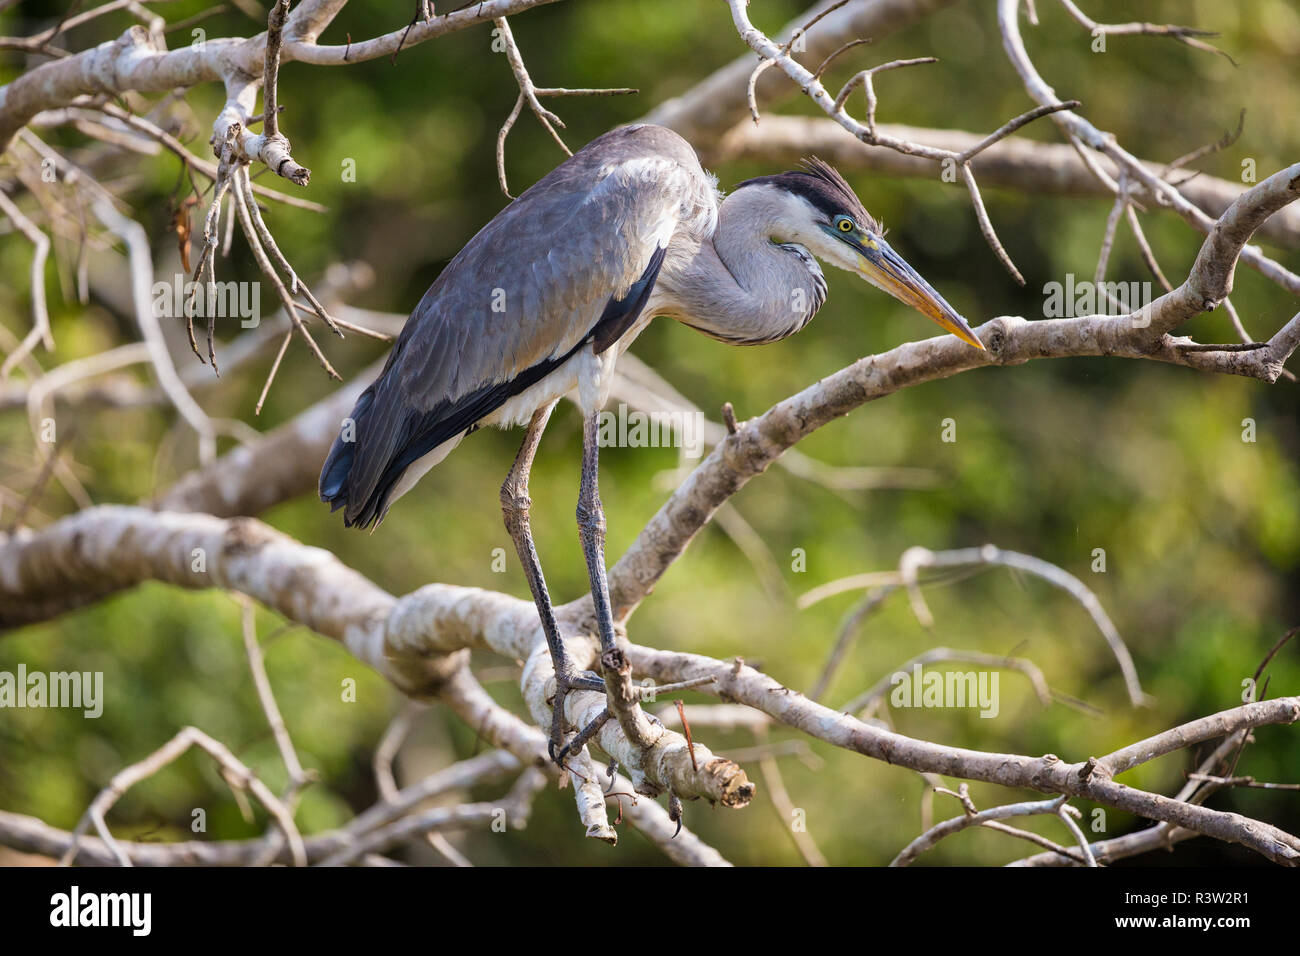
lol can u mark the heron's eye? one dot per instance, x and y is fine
(844, 224)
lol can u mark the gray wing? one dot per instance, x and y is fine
(573, 258)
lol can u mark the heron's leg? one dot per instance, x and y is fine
(591, 531)
(514, 505)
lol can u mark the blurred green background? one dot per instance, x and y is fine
(1201, 529)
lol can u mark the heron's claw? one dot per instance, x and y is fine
(587, 680)
(556, 746)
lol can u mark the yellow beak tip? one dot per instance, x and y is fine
(963, 332)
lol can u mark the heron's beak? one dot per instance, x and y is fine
(888, 271)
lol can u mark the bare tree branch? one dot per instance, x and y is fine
(414, 641)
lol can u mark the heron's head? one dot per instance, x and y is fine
(821, 212)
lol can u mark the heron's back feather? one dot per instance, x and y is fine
(573, 259)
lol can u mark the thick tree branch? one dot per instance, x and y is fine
(410, 640)
(1046, 774)
(413, 641)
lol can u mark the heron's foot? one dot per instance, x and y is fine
(580, 740)
(564, 683)
(593, 728)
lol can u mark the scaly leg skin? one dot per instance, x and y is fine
(591, 531)
(514, 505)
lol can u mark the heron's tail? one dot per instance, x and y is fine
(334, 475)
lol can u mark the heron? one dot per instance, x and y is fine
(542, 301)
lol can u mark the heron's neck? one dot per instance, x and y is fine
(739, 285)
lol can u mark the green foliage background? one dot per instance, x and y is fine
(1201, 530)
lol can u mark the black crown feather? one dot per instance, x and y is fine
(822, 185)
